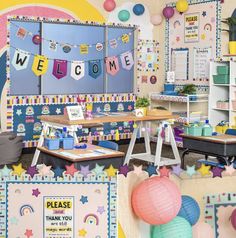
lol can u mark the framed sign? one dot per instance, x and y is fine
(191, 28)
(75, 112)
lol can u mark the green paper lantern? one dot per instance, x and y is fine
(123, 15)
(177, 228)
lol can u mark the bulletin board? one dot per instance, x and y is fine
(74, 57)
(198, 31)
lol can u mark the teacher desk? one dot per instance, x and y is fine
(60, 121)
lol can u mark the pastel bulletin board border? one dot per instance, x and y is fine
(213, 203)
(24, 210)
(204, 39)
(23, 112)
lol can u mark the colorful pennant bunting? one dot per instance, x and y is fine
(95, 68)
(127, 60)
(40, 65)
(84, 49)
(112, 65)
(59, 68)
(20, 60)
(77, 69)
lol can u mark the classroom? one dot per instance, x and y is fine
(118, 119)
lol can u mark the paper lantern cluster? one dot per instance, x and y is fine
(158, 202)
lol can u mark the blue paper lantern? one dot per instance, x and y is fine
(177, 228)
(189, 210)
(138, 9)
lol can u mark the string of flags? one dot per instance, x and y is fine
(21, 58)
(66, 47)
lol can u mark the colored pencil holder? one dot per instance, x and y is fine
(195, 131)
(67, 143)
(52, 143)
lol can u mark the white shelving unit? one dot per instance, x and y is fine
(181, 105)
(222, 92)
(175, 105)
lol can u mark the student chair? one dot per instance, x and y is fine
(108, 144)
(231, 132)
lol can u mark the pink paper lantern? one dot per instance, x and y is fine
(201, 229)
(156, 200)
(109, 5)
(168, 12)
(233, 219)
(156, 19)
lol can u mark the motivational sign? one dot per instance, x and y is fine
(59, 217)
(191, 27)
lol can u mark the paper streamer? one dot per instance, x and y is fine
(112, 65)
(40, 65)
(59, 68)
(95, 68)
(20, 60)
(127, 60)
(77, 70)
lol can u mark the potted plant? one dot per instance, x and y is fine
(231, 22)
(141, 105)
(189, 89)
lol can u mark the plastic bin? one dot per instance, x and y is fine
(169, 87)
(234, 104)
(195, 131)
(223, 69)
(67, 143)
(52, 143)
(221, 79)
(207, 131)
(186, 130)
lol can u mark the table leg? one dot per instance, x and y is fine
(182, 158)
(131, 145)
(147, 138)
(159, 147)
(40, 143)
(173, 145)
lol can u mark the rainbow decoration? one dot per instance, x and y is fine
(91, 219)
(208, 27)
(26, 209)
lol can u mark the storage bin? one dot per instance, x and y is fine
(193, 98)
(219, 129)
(195, 131)
(169, 87)
(221, 79)
(67, 143)
(52, 143)
(186, 130)
(207, 131)
(223, 69)
(234, 104)
(219, 104)
(224, 105)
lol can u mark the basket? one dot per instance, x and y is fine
(52, 143)
(207, 131)
(221, 79)
(195, 131)
(234, 104)
(223, 69)
(67, 143)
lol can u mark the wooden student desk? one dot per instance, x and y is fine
(92, 152)
(220, 146)
(60, 121)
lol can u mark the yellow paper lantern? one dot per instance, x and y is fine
(182, 6)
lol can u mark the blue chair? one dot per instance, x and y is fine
(108, 144)
(231, 132)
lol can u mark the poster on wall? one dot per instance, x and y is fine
(179, 63)
(199, 27)
(191, 28)
(201, 59)
(71, 209)
(58, 217)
